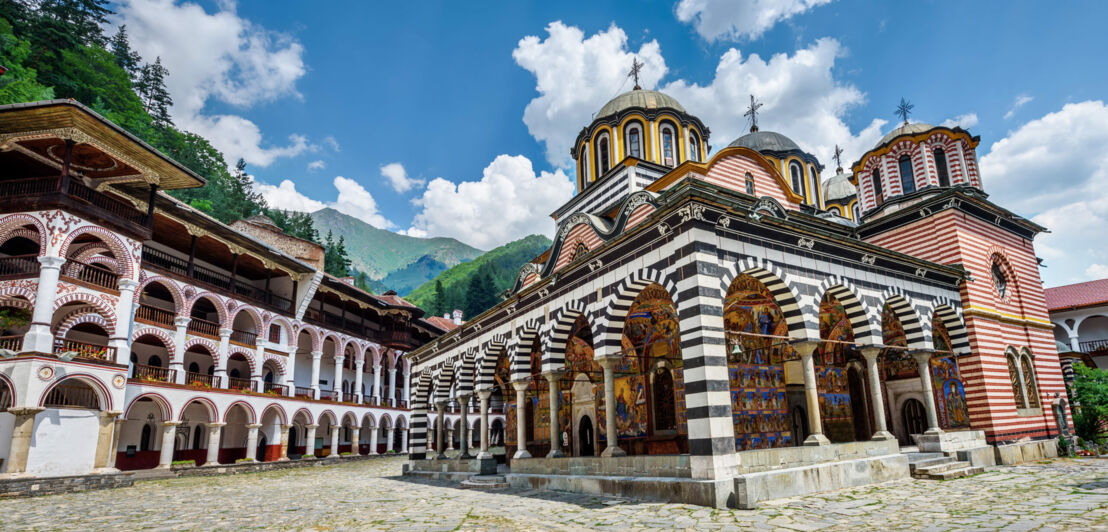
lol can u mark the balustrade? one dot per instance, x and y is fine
(244, 337)
(200, 379)
(278, 389)
(84, 350)
(89, 274)
(240, 384)
(11, 343)
(19, 266)
(302, 391)
(153, 373)
(200, 326)
(155, 315)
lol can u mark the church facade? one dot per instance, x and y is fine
(717, 329)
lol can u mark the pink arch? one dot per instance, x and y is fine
(334, 339)
(372, 420)
(9, 224)
(373, 354)
(258, 321)
(205, 343)
(234, 350)
(313, 335)
(114, 243)
(101, 306)
(174, 290)
(276, 360)
(280, 412)
(105, 397)
(386, 421)
(166, 339)
(158, 399)
(10, 289)
(330, 415)
(11, 387)
(79, 316)
(284, 324)
(251, 416)
(215, 301)
(307, 414)
(213, 412)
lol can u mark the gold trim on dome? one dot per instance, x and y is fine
(916, 138)
(687, 167)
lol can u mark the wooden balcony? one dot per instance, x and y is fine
(200, 379)
(301, 391)
(84, 350)
(240, 384)
(39, 193)
(19, 267)
(246, 338)
(155, 315)
(90, 275)
(213, 279)
(278, 389)
(1093, 345)
(143, 372)
(205, 327)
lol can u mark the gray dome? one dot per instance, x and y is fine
(760, 141)
(640, 98)
(838, 187)
(906, 129)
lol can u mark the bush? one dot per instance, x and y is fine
(348, 453)
(1090, 402)
(244, 460)
(183, 463)
(390, 451)
(1065, 446)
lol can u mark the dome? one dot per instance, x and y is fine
(838, 187)
(640, 98)
(906, 129)
(761, 141)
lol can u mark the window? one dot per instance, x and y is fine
(194, 367)
(694, 146)
(857, 215)
(940, 164)
(1028, 371)
(155, 361)
(235, 373)
(797, 174)
(749, 184)
(907, 180)
(878, 195)
(668, 157)
(1021, 371)
(1017, 386)
(602, 152)
(813, 182)
(197, 437)
(634, 142)
(144, 438)
(1000, 281)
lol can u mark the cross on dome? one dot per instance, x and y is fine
(752, 112)
(636, 68)
(838, 156)
(904, 109)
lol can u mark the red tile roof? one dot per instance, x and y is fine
(442, 323)
(1077, 295)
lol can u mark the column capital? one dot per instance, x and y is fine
(464, 398)
(25, 410)
(484, 395)
(921, 355)
(553, 375)
(609, 361)
(286, 427)
(216, 425)
(521, 386)
(316, 355)
(805, 346)
(170, 423)
(313, 426)
(339, 359)
(182, 321)
(51, 262)
(871, 352)
(225, 332)
(254, 426)
(111, 414)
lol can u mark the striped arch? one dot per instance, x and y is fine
(611, 320)
(369, 417)
(418, 437)
(866, 331)
(307, 415)
(19, 290)
(351, 418)
(999, 255)
(372, 354)
(915, 333)
(247, 354)
(90, 250)
(352, 346)
(79, 316)
(335, 338)
(5, 381)
(465, 372)
(100, 305)
(213, 412)
(103, 396)
(170, 286)
(157, 333)
(111, 263)
(158, 399)
(116, 244)
(801, 318)
(216, 302)
(11, 224)
(946, 311)
(557, 334)
(313, 334)
(331, 417)
(212, 348)
(251, 415)
(258, 321)
(284, 323)
(443, 382)
(280, 413)
(520, 351)
(486, 367)
(277, 361)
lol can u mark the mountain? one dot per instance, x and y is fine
(413, 275)
(501, 265)
(379, 252)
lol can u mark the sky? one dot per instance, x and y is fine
(455, 118)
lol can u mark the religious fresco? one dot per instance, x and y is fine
(579, 355)
(756, 375)
(510, 430)
(631, 406)
(895, 363)
(946, 379)
(831, 372)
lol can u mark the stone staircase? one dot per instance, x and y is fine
(938, 466)
(485, 482)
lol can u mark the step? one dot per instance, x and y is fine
(930, 462)
(152, 474)
(965, 471)
(916, 457)
(485, 482)
(939, 468)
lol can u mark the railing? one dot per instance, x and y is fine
(281, 389)
(244, 337)
(397, 338)
(301, 391)
(89, 274)
(208, 276)
(347, 397)
(156, 315)
(201, 326)
(165, 261)
(71, 395)
(211, 277)
(240, 384)
(84, 350)
(326, 395)
(153, 373)
(11, 343)
(112, 205)
(43, 187)
(34, 186)
(1093, 345)
(200, 379)
(19, 266)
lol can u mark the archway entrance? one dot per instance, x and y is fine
(585, 437)
(914, 417)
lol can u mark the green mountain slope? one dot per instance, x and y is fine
(378, 252)
(501, 265)
(413, 275)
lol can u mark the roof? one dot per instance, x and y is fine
(442, 323)
(645, 99)
(905, 129)
(837, 187)
(1077, 295)
(761, 141)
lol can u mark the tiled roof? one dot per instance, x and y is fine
(442, 323)
(1077, 295)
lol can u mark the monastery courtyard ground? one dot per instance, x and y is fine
(369, 495)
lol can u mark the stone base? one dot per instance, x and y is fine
(951, 442)
(711, 493)
(483, 466)
(1026, 451)
(448, 468)
(978, 456)
(32, 486)
(791, 482)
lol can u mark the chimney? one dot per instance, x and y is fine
(445, 315)
(347, 280)
(457, 317)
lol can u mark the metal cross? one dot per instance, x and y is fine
(636, 68)
(752, 112)
(904, 109)
(838, 156)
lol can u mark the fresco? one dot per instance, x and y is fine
(759, 409)
(631, 406)
(831, 372)
(510, 430)
(895, 363)
(946, 379)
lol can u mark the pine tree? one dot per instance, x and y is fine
(438, 304)
(335, 261)
(155, 96)
(125, 57)
(68, 23)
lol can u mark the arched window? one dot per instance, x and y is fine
(144, 439)
(634, 141)
(669, 157)
(234, 373)
(694, 146)
(750, 184)
(197, 437)
(1000, 280)
(194, 367)
(665, 414)
(603, 155)
(907, 180)
(813, 182)
(1017, 384)
(155, 361)
(1029, 385)
(878, 195)
(857, 214)
(797, 173)
(941, 166)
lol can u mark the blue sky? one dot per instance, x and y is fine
(454, 118)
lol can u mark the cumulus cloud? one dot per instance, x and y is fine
(739, 19)
(1055, 169)
(316, 165)
(1096, 271)
(218, 57)
(1021, 101)
(398, 178)
(509, 202)
(965, 121)
(332, 143)
(353, 199)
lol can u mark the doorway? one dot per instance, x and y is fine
(914, 416)
(585, 437)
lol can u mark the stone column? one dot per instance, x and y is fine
(180, 337)
(464, 438)
(355, 441)
(392, 387)
(806, 349)
(450, 439)
(373, 440)
(376, 384)
(440, 430)
(115, 442)
(336, 386)
(259, 368)
(404, 441)
(169, 431)
(309, 445)
(484, 396)
(521, 420)
(407, 391)
(252, 441)
(334, 441)
(214, 431)
(316, 356)
(388, 439)
(923, 362)
(358, 366)
(610, 430)
(284, 457)
(105, 442)
(124, 311)
(22, 431)
(290, 372)
(224, 354)
(877, 399)
(39, 337)
(555, 431)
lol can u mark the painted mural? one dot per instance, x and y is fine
(831, 372)
(895, 363)
(947, 381)
(756, 374)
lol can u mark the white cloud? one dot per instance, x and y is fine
(332, 143)
(1055, 168)
(1021, 101)
(965, 121)
(398, 177)
(353, 199)
(316, 165)
(218, 57)
(1096, 271)
(509, 202)
(575, 76)
(739, 19)
(412, 231)
(285, 196)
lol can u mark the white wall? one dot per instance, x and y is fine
(64, 442)
(7, 425)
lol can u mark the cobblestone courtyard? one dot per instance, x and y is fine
(368, 495)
